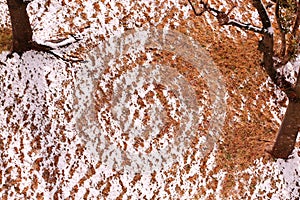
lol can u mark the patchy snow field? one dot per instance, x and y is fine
(141, 119)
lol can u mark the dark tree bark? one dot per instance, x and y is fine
(287, 134)
(21, 28)
(22, 32)
(288, 131)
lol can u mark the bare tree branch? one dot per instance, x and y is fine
(266, 45)
(62, 43)
(297, 21)
(287, 135)
(206, 7)
(264, 17)
(281, 29)
(244, 26)
(47, 49)
(224, 19)
(293, 43)
(65, 59)
(194, 10)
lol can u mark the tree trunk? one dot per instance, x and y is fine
(287, 135)
(21, 28)
(288, 131)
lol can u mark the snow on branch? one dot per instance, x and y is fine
(245, 26)
(62, 42)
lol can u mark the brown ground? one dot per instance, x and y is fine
(239, 61)
(5, 39)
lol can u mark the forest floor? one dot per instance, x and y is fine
(241, 167)
(5, 39)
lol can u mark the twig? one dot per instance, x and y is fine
(194, 10)
(263, 140)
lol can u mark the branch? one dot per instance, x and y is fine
(60, 43)
(294, 41)
(297, 22)
(297, 86)
(224, 19)
(194, 10)
(265, 45)
(281, 29)
(264, 17)
(65, 59)
(47, 49)
(244, 26)
(39, 47)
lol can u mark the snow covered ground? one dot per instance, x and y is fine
(108, 128)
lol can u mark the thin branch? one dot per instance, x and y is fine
(205, 8)
(223, 18)
(264, 17)
(62, 43)
(39, 47)
(54, 44)
(297, 86)
(281, 29)
(65, 59)
(297, 21)
(194, 10)
(47, 49)
(265, 45)
(244, 26)
(264, 140)
(294, 41)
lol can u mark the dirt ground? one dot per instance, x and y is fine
(249, 127)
